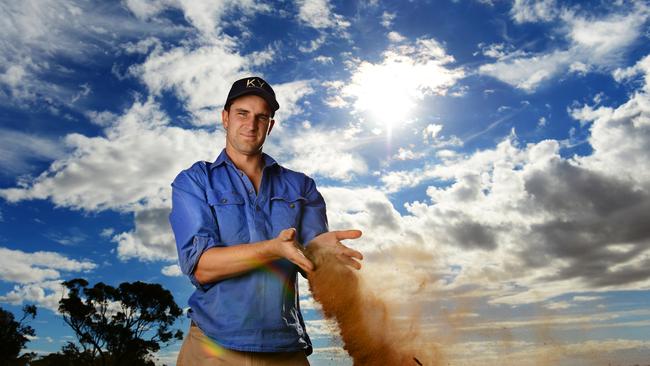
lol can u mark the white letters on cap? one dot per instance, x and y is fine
(254, 83)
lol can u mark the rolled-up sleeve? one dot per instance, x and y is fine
(314, 216)
(192, 222)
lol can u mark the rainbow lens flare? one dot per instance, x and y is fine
(211, 347)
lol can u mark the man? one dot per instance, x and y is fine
(240, 225)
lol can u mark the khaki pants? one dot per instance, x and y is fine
(199, 350)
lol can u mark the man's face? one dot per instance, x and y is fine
(247, 124)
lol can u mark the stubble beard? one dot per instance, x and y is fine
(244, 147)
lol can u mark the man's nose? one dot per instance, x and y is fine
(250, 122)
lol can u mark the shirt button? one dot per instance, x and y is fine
(224, 200)
(250, 191)
(292, 205)
(258, 208)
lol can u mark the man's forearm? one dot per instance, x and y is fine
(216, 264)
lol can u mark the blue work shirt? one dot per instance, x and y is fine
(215, 205)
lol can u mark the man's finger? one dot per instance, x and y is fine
(352, 253)
(304, 263)
(347, 234)
(348, 261)
(288, 234)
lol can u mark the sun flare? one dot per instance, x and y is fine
(387, 93)
(382, 93)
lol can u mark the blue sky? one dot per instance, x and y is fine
(493, 152)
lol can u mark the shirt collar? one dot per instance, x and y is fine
(223, 158)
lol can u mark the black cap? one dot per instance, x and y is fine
(253, 85)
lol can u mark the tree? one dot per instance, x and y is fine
(70, 355)
(13, 335)
(118, 326)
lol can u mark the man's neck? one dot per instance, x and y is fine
(249, 164)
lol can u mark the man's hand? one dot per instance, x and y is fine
(288, 247)
(331, 241)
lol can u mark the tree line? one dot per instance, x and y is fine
(113, 326)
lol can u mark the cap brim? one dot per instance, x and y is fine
(273, 104)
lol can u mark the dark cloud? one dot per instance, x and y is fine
(568, 189)
(382, 214)
(470, 234)
(599, 222)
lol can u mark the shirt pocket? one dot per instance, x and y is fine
(286, 211)
(228, 208)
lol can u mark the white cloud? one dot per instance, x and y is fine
(84, 90)
(205, 16)
(200, 77)
(408, 154)
(539, 224)
(395, 37)
(500, 51)
(387, 19)
(495, 51)
(619, 136)
(601, 37)
(143, 46)
(313, 44)
(640, 68)
(318, 14)
(172, 271)
(396, 180)
(336, 101)
(595, 44)
(558, 305)
(150, 240)
(130, 167)
(22, 267)
(308, 303)
(288, 95)
(546, 350)
(37, 276)
(534, 11)
(18, 150)
(324, 59)
(431, 131)
(103, 118)
(332, 148)
(591, 194)
(587, 298)
(107, 233)
(45, 294)
(528, 73)
(371, 211)
(407, 74)
(579, 68)
(69, 236)
(36, 34)
(321, 328)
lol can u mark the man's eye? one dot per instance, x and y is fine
(242, 114)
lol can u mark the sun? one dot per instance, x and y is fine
(383, 94)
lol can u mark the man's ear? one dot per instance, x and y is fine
(271, 124)
(225, 115)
